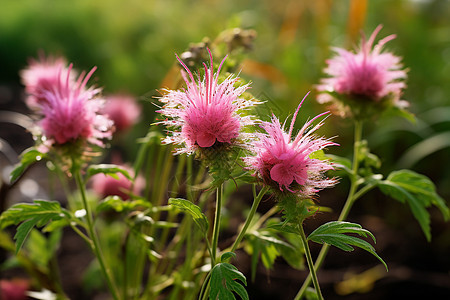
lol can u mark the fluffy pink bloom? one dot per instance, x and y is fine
(71, 111)
(285, 161)
(368, 73)
(122, 110)
(206, 112)
(108, 186)
(41, 76)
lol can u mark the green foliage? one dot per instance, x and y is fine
(295, 210)
(368, 160)
(224, 281)
(334, 233)
(28, 157)
(38, 214)
(119, 205)
(419, 192)
(107, 169)
(41, 249)
(341, 163)
(195, 211)
(268, 244)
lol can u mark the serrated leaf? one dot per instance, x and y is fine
(224, 281)
(334, 233)
(419, 192)
(269, 244)
(28, 157)
(23, 231)
(195, 211)
(39, 214)
(107, 169)
(271, 239)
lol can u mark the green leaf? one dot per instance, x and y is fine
(341, 163)
(28, 157)
(419, 192)
(334, 233)
(296, 210)
(227, 256)
(39, 214)
(224, 281)
(107, 169)
(284, 227)
(268, 244)
(396, 111)
(270, 238)
(23, 231)
(119, 205)
(294, 255)
(319, 154)
(195, 211)
(40, 249)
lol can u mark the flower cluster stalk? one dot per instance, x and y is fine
(95, 244)
(215, 236)
(252, 212)
(345, 210)
(310, 263)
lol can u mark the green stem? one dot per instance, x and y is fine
(311, 267)
(93, 236)
(205, 287)
(252, 212)
(215, 236)
(82, 235)
(347, 206)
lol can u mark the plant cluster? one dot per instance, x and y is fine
(154, 226)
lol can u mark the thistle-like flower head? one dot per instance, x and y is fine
(123, 187)
(365, 76)
(122, 110)
(41, 76)
(285, 162)
(71, 112)
(207, 113)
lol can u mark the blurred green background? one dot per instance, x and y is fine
(133, 44)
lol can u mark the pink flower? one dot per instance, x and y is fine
(41, 76)
(122, 110)
(366, 74)
(108, 186)
(207, 113)
(71, 111)
(285, 162)
(14, 289)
